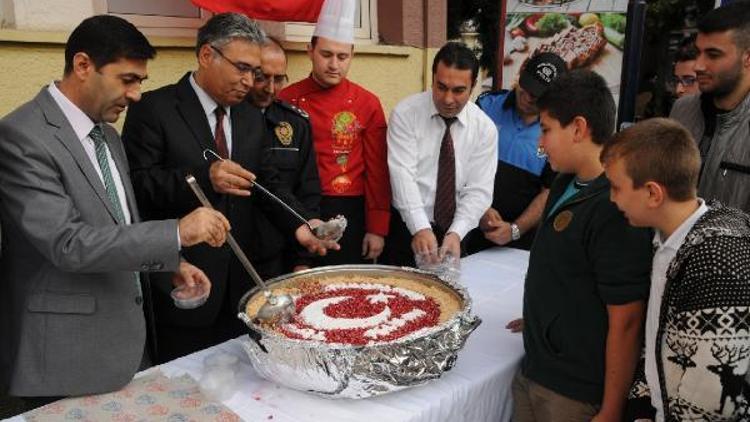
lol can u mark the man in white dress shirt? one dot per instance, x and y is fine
(442, 153)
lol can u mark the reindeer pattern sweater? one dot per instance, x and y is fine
(703, 341)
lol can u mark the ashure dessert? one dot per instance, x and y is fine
(362, 310)
(358, 331)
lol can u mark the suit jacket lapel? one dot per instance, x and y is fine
(192, 112)
(67, 136)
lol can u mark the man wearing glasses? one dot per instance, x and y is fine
(203, 126)
(718, 118)
(289, 148)
(684, 78)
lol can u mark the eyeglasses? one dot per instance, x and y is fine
(686, 81)
(278, 80)
(244, 69)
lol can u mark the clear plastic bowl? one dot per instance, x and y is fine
(441, 263)
(189, 298)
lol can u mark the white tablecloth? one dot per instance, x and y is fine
(476, 389)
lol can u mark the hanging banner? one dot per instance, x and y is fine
(270, 10)
(585, 33)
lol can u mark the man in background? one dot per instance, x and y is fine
(684, 79)
(718, 118)
(442, 153)
(348, 128)
(523, 176)
(289, 149)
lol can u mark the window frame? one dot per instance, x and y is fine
(365, 34)
(160, 25)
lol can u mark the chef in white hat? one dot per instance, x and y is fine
(349, 131)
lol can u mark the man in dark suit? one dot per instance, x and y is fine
(174, 126)
(289, 148)
(71, 301)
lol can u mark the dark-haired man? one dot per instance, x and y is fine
(588, 272)
(348, 128)
(442, 153)
(523, 177)
(719, 118)
(71, 301)
(289, 147)
(171, 129)
(684, 79)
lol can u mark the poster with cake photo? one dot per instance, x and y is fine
(585, 33)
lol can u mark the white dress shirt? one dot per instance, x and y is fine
(415, 132)
(209, 107)
(82, 125)
(665, 253)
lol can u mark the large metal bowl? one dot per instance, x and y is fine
(349, 371)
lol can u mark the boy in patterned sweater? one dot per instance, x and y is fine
(697, 340)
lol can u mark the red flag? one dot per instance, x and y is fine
(272, 10)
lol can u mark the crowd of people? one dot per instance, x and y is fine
(637, 297)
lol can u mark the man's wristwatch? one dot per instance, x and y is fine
(515, 232)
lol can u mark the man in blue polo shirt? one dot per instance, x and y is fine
(523, 177)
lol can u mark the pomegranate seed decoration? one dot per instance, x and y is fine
(360, 314)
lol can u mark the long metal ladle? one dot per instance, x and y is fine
(265, 191)
(276, 307)
(319, 231)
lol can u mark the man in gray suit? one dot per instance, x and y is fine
(71, 304)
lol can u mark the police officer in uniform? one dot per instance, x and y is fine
(289, 147)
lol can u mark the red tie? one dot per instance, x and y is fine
(445, 193)
(219, 138)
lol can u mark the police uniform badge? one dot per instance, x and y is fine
(284, 133)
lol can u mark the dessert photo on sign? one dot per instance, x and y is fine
(584, 39)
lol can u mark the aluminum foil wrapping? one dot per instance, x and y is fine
(347, 371)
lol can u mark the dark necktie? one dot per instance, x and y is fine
(445, 193)
(219, 137)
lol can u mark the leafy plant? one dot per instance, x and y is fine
(615, 21)
(551, 24)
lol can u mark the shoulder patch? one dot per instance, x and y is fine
(482, 95)
(293, 108)
(488, 94)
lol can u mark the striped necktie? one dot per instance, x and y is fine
(97, 135)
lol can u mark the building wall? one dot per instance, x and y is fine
(420, 23)
(30, 60)
(33, 35)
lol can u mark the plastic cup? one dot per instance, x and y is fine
(218, 384)
(443, 264)
(189, 297)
